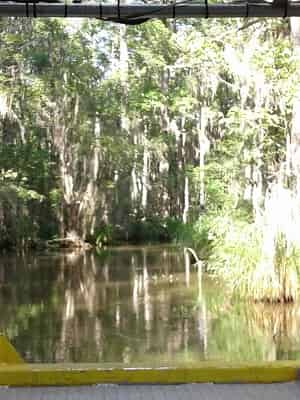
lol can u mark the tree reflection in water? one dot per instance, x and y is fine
(132, 305)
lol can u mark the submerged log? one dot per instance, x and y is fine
(69, 243)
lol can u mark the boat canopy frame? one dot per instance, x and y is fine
(140, 11)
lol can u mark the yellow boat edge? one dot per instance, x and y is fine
(71, 375)
(8, 354)
(15, 372)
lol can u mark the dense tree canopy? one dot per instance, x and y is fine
(185, 130)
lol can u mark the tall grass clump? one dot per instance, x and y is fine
(261, 260)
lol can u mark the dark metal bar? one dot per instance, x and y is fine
(11, 9)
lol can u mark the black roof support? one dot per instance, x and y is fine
(136, 12)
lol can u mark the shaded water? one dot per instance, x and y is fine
(132, 305)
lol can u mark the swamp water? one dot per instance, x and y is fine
(134, 305)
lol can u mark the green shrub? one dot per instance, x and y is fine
(147, 230)
(105, 235)
(241, 260)
(179, 232)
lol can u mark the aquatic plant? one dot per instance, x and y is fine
(257, 264)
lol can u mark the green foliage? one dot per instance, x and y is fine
(55, 197)
(237, 251)
(147, 230)
(240, 260)
(179, 232)
(105, 123)
(14, 188)
(105, 236)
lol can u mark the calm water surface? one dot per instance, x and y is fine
(134, 305)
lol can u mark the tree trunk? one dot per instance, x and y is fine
(123, 70)
(203, 143)
(294, 148)
(186, 200)
(145, 175)
(134, 178)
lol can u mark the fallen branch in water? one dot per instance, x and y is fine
(194, 254)
(69, 243)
